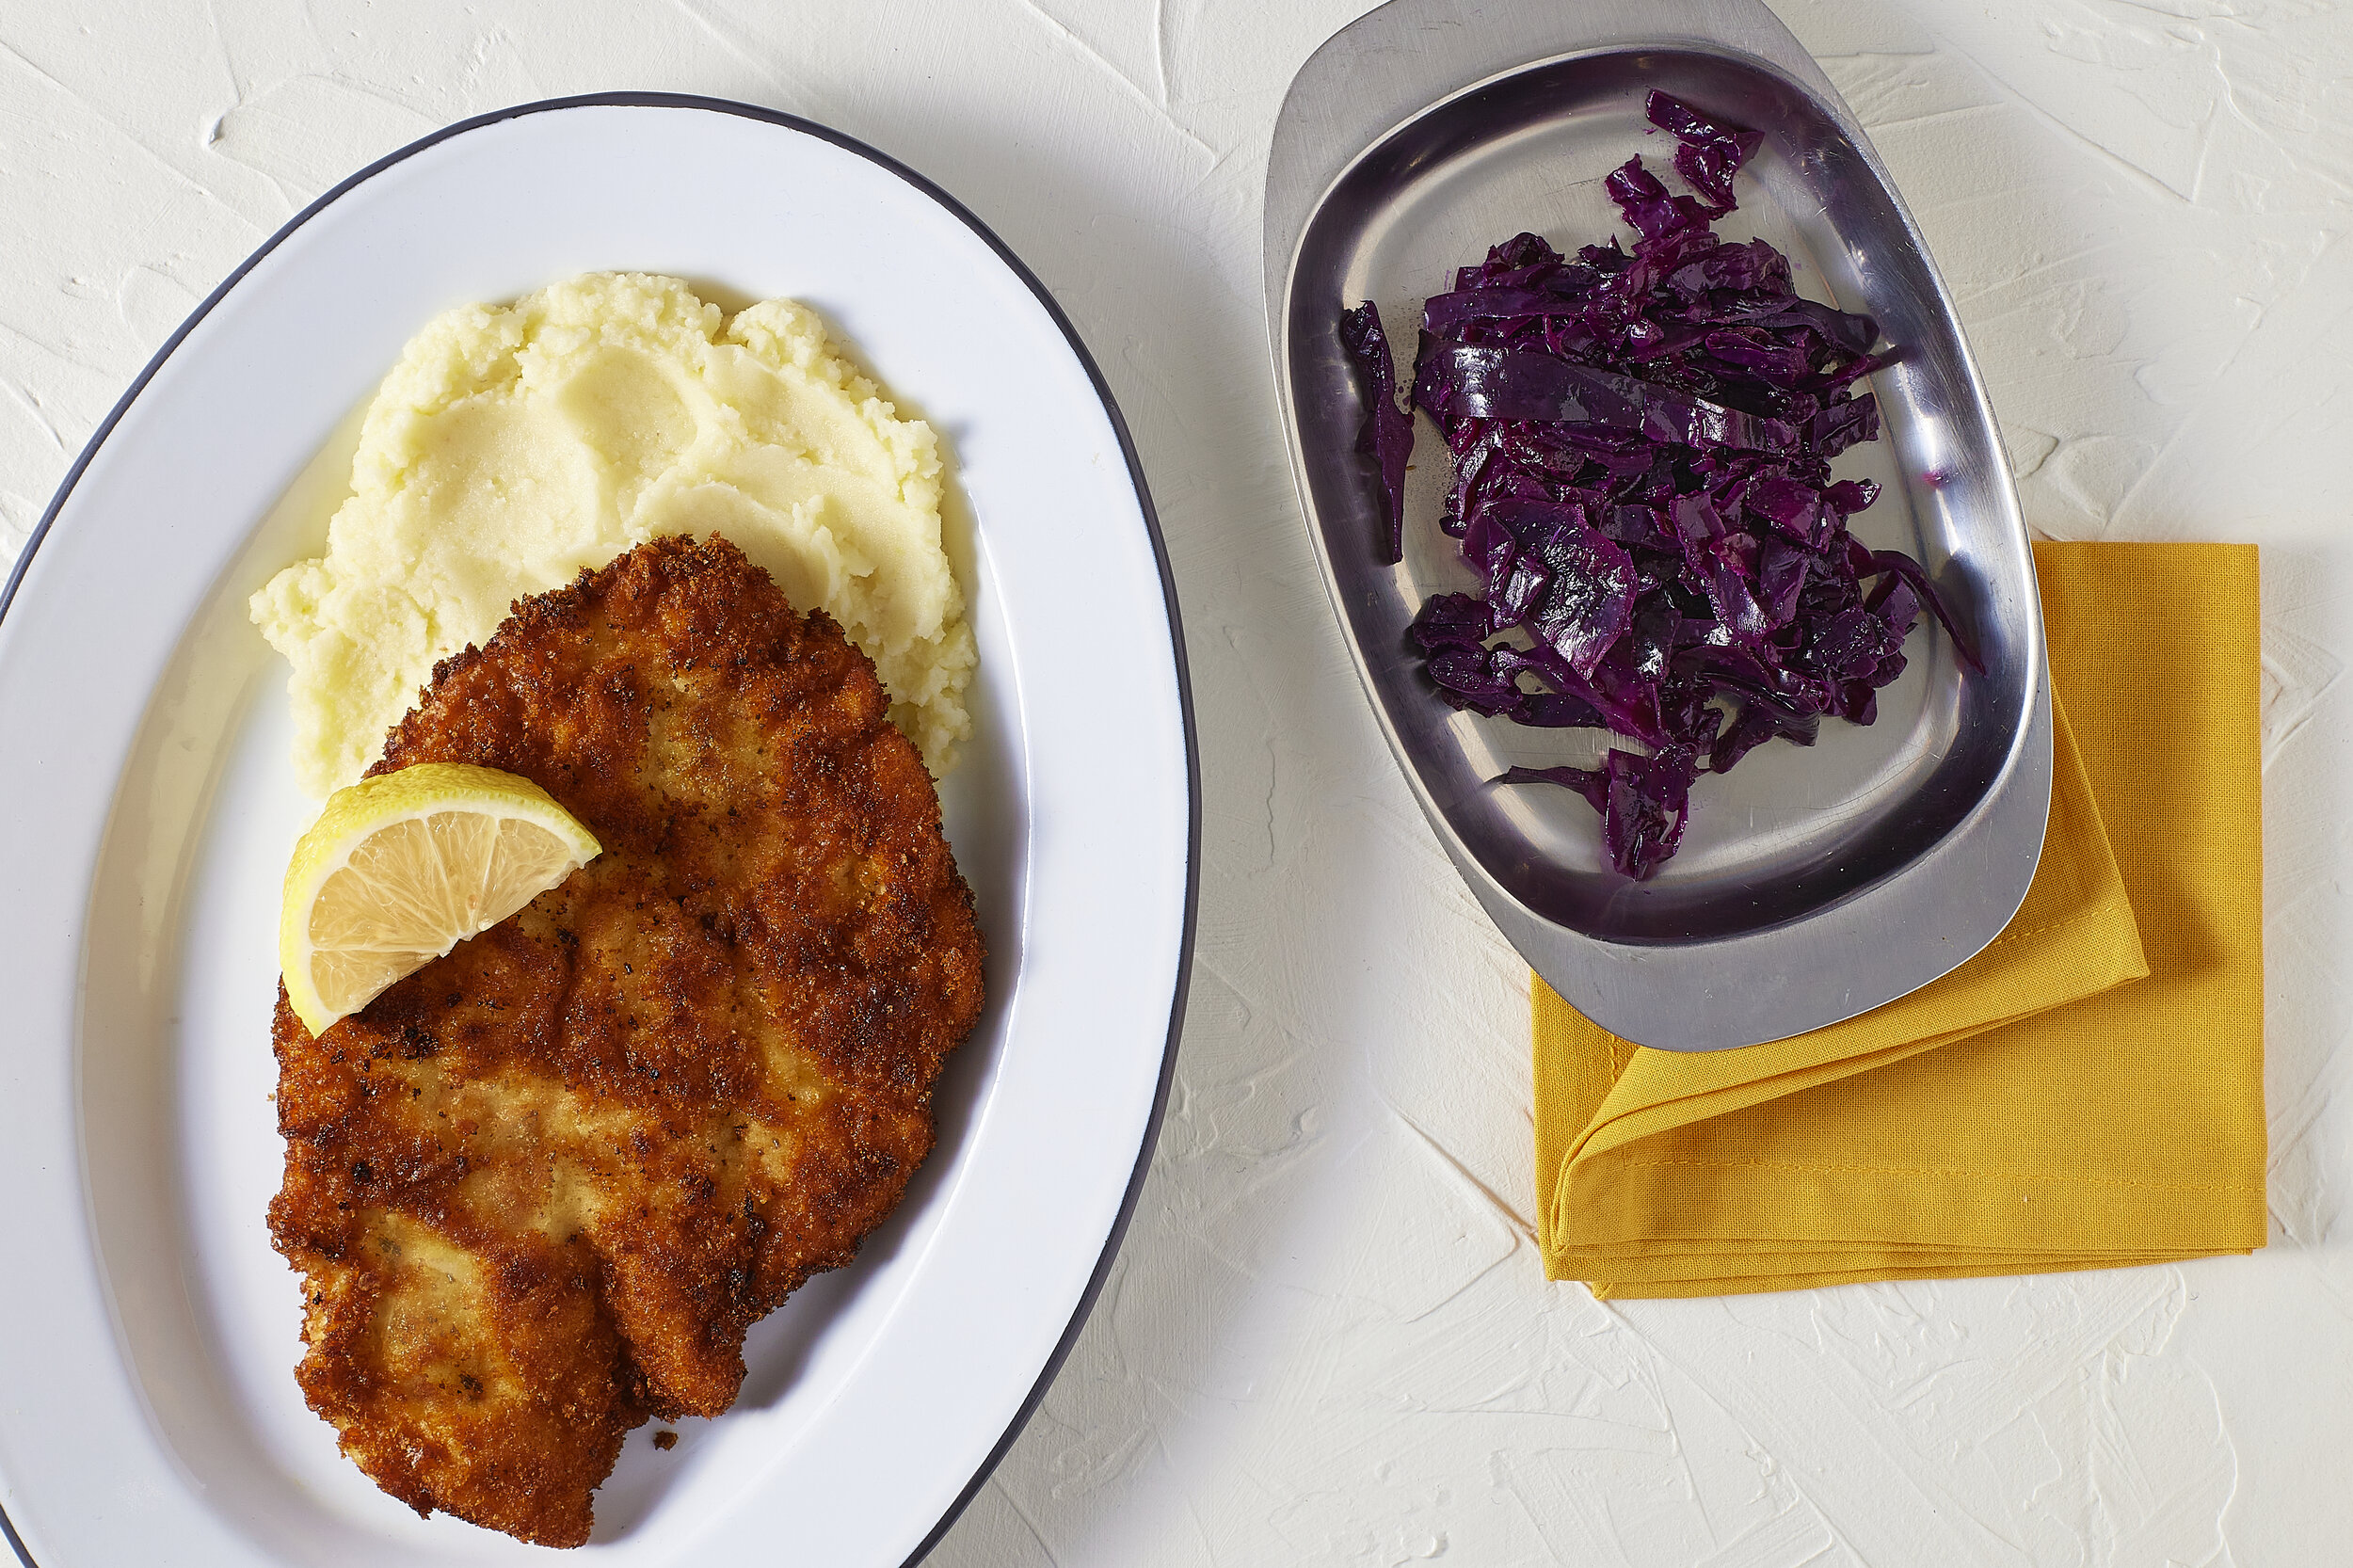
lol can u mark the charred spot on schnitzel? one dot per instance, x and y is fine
(539, 1189)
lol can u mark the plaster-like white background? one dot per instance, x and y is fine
(1328, 1338)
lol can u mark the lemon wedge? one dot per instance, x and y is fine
(401, 867)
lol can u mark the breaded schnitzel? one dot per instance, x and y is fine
(539, 1189)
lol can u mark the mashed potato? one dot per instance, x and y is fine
(513, 446)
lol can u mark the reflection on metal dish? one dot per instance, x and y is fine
(1812, 884)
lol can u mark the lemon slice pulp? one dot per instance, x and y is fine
(401, 867)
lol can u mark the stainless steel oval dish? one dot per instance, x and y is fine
(1812, 884)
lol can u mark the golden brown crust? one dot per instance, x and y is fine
(539, 1189)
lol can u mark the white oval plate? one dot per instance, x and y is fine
(148, 1333)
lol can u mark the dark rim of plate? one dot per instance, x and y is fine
(1151, 526)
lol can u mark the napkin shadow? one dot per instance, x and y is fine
(2307, 704)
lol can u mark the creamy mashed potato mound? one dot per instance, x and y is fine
(515, 446)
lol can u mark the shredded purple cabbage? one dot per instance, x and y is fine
(1641, 449)
(1387, 435)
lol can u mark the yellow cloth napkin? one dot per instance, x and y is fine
(2086, 1093)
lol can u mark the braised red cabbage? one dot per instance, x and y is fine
(1642, 444)
(1387, 435)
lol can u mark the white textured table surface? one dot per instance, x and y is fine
(1328, 1338)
